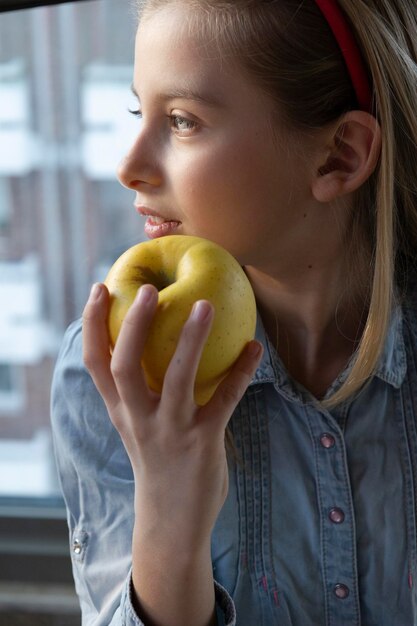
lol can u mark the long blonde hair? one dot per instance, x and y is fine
(286, 46)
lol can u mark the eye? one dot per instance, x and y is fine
(136, 112)
(183, 125)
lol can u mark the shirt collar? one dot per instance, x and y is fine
(392, 365)
(266, 372)
(391, 368)
(272, 370)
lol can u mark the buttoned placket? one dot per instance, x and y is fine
(338, 537)
(253, 484)
(338, 534)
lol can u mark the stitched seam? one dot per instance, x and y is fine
(408, 460)
(237, 430)
(322, 542)
(268, 503)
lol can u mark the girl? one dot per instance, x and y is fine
(285, 131)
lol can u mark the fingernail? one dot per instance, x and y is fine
(144, 295)
(201, 311)
(254, 349)
(95, 292)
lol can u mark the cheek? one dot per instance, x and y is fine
(201, 180)
(223, 174)
(232, 180)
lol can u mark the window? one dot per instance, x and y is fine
(65, 75)
(11, 388)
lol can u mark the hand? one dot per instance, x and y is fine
(176, 448)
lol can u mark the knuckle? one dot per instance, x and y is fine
(131, 317)
(90, 313)
(119, 422)
(231, 394)
(89, 361)
(193, 333)
(175, 386)
(180, 375)
(245, 373)
(120, 370)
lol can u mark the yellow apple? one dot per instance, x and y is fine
(185, 269)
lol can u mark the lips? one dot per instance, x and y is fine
(157, 225)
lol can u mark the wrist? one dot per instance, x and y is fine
(184, 580)
(171, 542)
(175, 527)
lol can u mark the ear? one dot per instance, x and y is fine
(350, 157)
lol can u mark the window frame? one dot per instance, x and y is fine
(15, 5)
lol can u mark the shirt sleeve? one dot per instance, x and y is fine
(97, 485)
(225, 608)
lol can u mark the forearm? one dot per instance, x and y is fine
(172, 588)
(177, 452)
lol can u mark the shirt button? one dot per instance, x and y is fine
(327, 440)
(341, 591)
(336, 516)
(77, 546)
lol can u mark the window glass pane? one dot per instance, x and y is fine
(65, 75)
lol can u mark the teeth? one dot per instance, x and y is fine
(158, 220)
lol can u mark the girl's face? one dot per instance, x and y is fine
(205, 161)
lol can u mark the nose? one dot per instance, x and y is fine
(140, 166)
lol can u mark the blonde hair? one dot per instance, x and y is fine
(286, 46)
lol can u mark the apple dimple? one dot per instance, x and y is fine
(148, 276)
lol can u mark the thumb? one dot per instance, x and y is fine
(232, 388)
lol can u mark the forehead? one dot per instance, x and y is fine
(171, 54)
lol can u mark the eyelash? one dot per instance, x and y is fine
(136, 112)
(192, 125)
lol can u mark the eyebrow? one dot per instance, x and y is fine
(186, 94)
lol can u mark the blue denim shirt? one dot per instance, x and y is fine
(319, 525)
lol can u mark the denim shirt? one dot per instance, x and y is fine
(319, 525)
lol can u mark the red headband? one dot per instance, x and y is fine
(350, 50)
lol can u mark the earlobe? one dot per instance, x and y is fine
(352, 157)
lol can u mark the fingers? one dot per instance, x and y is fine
(126, 360)
(96, 353)
(120, 377)
(178, 387)
(233, 387)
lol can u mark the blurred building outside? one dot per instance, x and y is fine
(65, 75)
